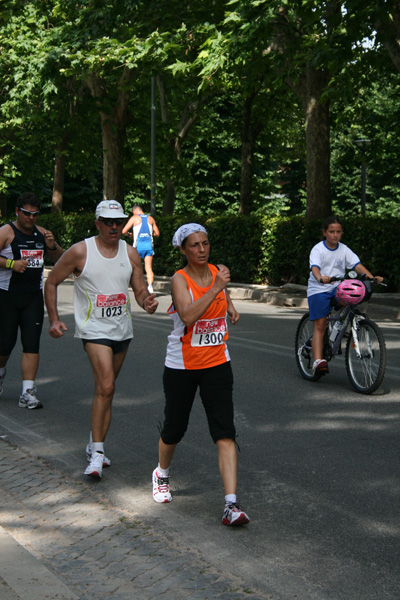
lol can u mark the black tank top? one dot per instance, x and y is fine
(32, 247)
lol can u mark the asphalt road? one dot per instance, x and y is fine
(318, 467)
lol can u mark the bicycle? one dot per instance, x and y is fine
(365, 353)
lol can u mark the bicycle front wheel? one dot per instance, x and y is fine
(366, 369)
(303, 349)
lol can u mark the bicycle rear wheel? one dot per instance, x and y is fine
(367, 371)
(303, 349)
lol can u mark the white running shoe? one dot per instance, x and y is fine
(161, 491)
(29, 400)
(89, 450)
(95, 467)
(1, 382)
(320, 366)
(234, 515)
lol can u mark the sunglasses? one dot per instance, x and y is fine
(29, 213)
(111, 221)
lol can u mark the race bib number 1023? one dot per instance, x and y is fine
(110, 305)
(209, 332)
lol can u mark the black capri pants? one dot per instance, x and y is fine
(25, 311)
(216, 386)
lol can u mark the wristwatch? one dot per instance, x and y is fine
(54, 247)
(321, 280)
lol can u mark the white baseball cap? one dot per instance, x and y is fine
(110, 209)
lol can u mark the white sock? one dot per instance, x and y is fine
(98, 447)
(27, 384)
(90, 439)
(230, 498)
(162, 472)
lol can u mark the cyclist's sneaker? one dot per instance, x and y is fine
(234, 515)
(1, 382)
(320, 366)
(161, 492)
(29, 400)
(89, 451)
(95, 467)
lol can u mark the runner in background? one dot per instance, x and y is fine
(23, 245)
(143, 228)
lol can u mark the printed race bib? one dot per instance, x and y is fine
(33, 257)
(209, 332)
(110, 305)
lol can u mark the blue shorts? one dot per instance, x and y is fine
(320, 305)
(145, 250)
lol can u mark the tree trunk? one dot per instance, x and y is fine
(113, 137)
(316, 115)
(113, 130)
(388, 27)
(248, 136)
(59, 180)
(169, 198)
(3, 206)
(188, 119)
(319, 205)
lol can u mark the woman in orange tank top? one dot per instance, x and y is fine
(198, 358)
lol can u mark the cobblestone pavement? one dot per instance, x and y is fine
(94, 549)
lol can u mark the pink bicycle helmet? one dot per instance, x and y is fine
(350, 291)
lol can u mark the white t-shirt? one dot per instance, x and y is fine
(101, 295)
(332, 263)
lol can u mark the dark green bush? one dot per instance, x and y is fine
(257, 249)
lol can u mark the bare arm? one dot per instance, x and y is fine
(361, 270)
(54, 253)
(145, 300)
(72, 261)
(156, 231)
(317, 274)
(188, 310)
(128, 227)
(232, 312)
(6, 237)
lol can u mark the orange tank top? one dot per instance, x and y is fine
(201, 345)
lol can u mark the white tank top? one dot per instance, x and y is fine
(101, 295)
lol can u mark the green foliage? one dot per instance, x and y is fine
(69, 228)
(276, 250)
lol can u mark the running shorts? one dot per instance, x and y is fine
(23, 311)
(215, 385)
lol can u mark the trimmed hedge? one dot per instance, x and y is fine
(258, 249)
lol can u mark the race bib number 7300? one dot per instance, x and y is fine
(110, 305)
(209, 332)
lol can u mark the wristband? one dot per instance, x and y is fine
(53, 248)
(9, 263)
(321, 280)
(143, 304)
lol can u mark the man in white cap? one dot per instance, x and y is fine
(103, 267)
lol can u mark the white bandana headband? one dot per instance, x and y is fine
(185, 230)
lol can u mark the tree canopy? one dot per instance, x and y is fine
(258, 106)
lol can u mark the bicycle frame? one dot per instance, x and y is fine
(364, 350)
(349, 317)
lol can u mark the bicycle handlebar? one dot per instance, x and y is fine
(371, 279)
